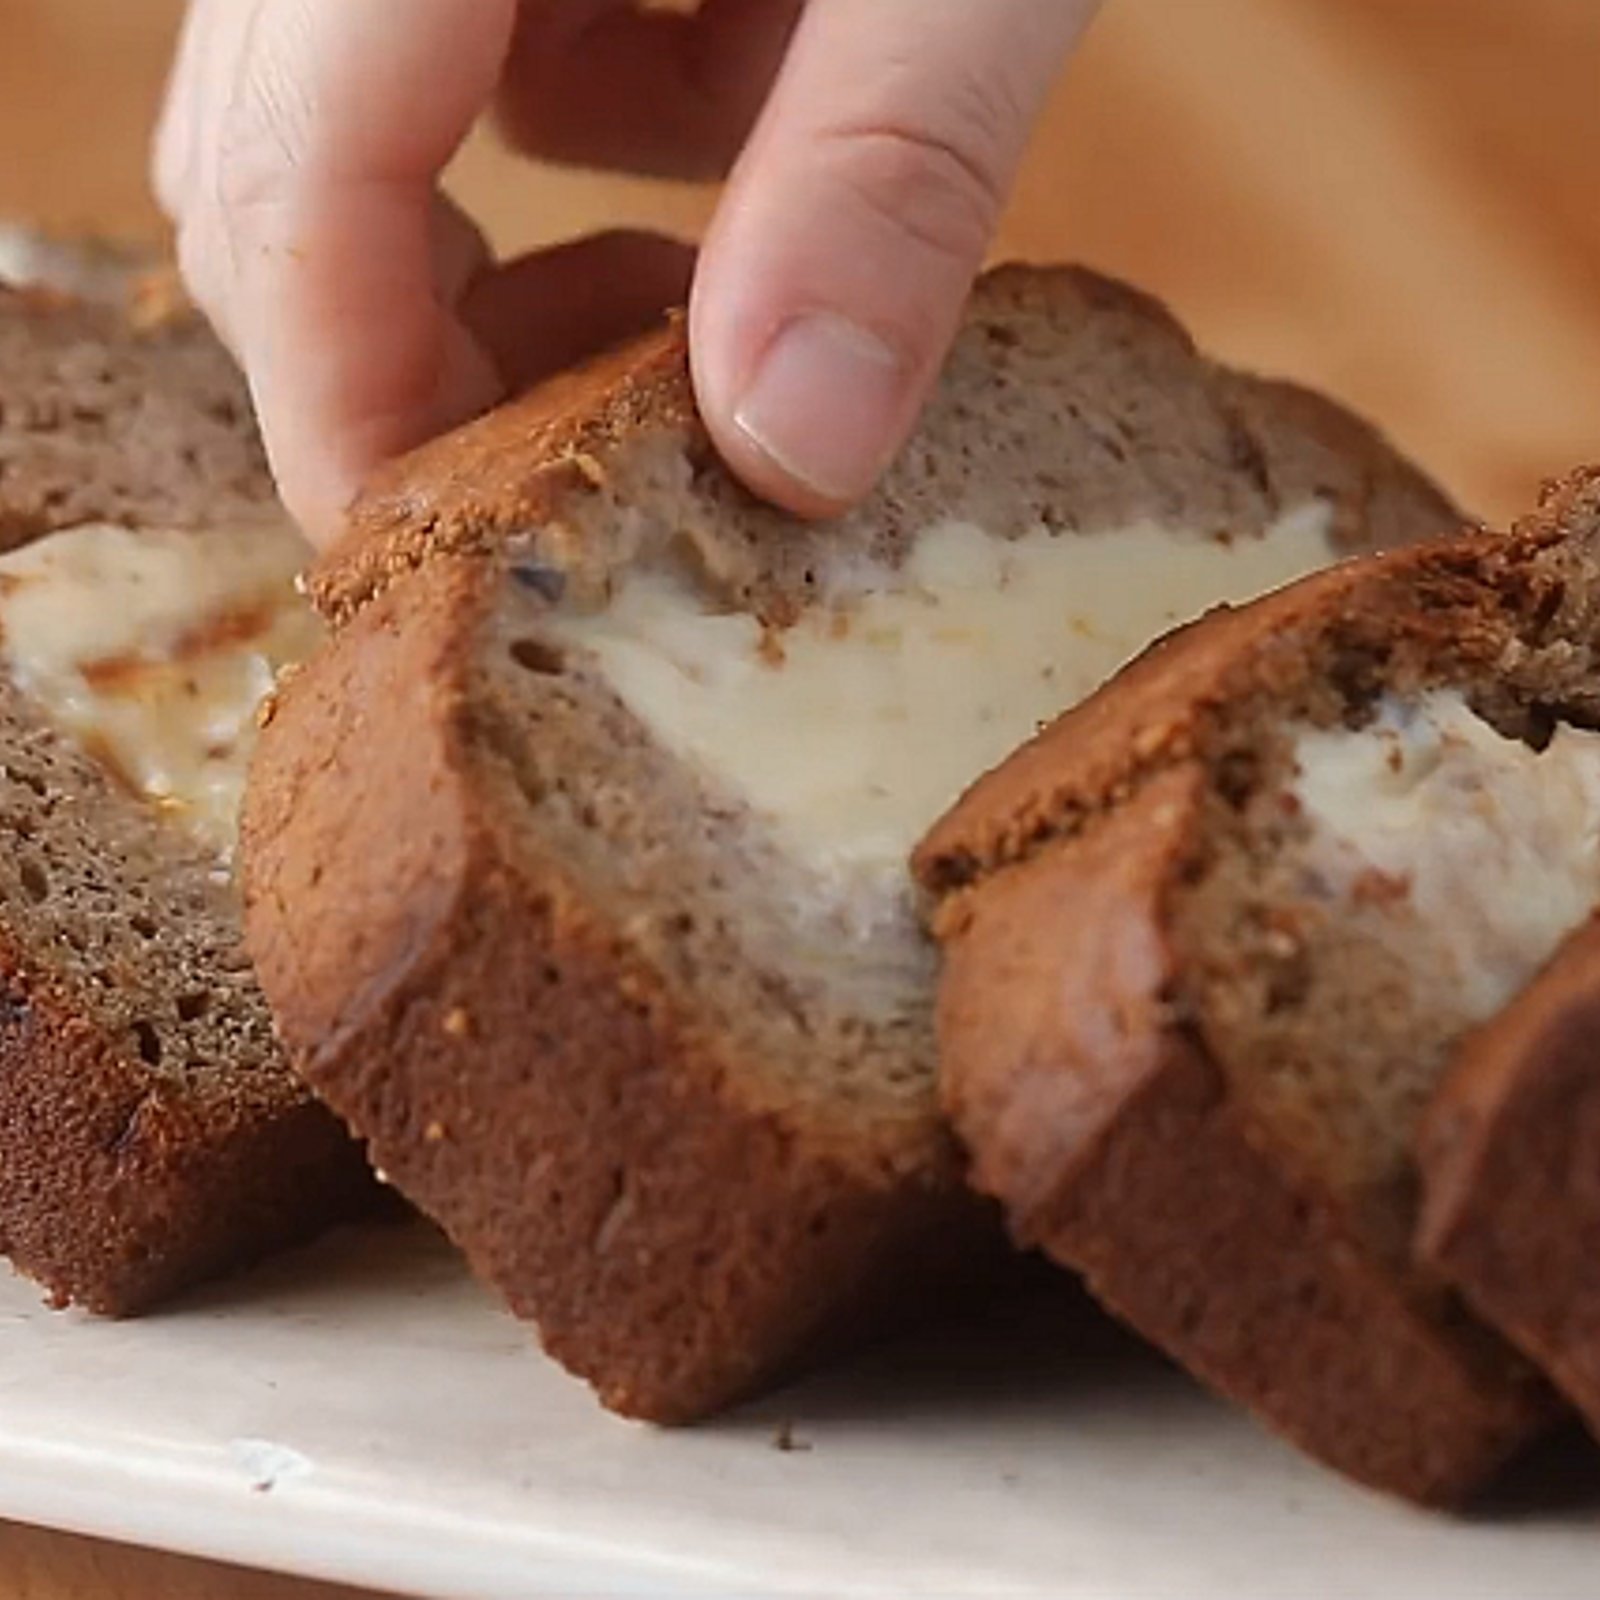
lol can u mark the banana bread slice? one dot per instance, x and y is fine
(151, 1132)
(576, 864)
(1210, 944)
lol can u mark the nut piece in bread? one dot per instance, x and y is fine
(1212, 940)
(576, 862)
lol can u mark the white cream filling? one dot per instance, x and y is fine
(155, 648)
(1495, 845)
(853, 730)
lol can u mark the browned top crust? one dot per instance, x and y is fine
(517, 468)
(466, 492)
(1393, 619)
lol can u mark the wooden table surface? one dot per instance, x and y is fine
(1396, 199)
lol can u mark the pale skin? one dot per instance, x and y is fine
(869, 146)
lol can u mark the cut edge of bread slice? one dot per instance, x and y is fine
(1189, 1068)
(1510, 1158)
(151, 1133)
(576, 991)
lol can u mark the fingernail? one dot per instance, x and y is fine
(825, 405)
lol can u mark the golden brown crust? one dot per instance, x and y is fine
(1098, 1121)
(519, 1073)
(1510, 1156)
(508, 472)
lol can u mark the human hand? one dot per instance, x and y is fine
(872, 144)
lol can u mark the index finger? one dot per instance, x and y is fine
(314, 232)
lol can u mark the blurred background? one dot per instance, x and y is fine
(1395, 199)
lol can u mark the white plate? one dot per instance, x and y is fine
(362, 1412)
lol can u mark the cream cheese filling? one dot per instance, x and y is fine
(154, 648)
(1494, 845)
(851, 731)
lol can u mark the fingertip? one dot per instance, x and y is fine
(316, 482)
(841, 254)
(317, 501)
(807, 404)
(824, 409)
(321, 460)
(335, 424)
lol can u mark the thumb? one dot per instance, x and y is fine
(835, 269)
